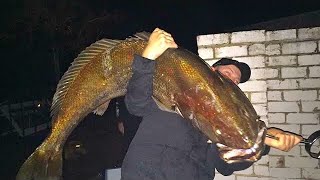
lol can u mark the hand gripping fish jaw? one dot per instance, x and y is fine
(232, 155)
(312, 144)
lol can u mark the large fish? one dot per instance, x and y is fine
(183, 83)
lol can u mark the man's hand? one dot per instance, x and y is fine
(159, 41)
(285, 142)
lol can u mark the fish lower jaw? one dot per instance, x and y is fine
(252, 154)
(240, 155)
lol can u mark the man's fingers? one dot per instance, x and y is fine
(298, 139)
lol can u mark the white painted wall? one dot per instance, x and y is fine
(284, 89)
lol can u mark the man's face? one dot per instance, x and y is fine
(230, 71)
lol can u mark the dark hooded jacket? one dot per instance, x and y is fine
(166, 146)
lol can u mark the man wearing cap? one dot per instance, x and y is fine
(166, 146)
(238, 72)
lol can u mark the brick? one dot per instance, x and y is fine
(277, 118)
(285, 172)
(309, 33)
(273, 49)
(253, 62)
(302, 118)
(261, 109)
(263, 161)
(221, 38)
(205, 53)
(309, 83)
(248, 36)
(257, 49)
(295, 151)
(311, 173)
(274, 95)
(310, 106)
(231, 51)
(276, 161)
(259, 97)
(253, 86)
(307, 130)
(281, 35)
(314, 71)
(293, 72)
(284, 84)
(303, 162)
(266, 73)
(299, 47)
(261, 170)
(283, 107)
(309, 59)
(203, 40)
(282, 60)
(300, 95)
(213, 39)
(251, 178)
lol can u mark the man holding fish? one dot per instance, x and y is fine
(167, 146)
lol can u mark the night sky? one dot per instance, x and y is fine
(32, 33)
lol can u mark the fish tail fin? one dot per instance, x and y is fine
(42, 165)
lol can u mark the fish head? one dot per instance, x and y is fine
(217, 107)
(230, 120)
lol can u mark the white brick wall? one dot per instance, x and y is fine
(293, 72)
(281, 35)
(247, 36)
(296, 95)
(231, 51)
(299, 47)
(284, 89)
(304, 60)
(282, 60)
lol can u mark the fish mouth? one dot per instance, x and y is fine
(231, 155)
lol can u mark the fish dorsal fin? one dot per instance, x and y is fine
(177, 110)
(100, 47)
(102, 108)
(143, 35)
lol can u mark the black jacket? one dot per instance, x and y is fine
(166, 146)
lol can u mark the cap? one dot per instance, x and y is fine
(243, 67)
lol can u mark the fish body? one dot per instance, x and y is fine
(183, 83)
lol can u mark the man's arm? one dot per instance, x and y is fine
(139, 91)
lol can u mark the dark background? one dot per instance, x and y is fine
(39, 33)
(40, 38)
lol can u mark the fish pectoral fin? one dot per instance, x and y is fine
(162, 106)
(177, 110)
(102, 108)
